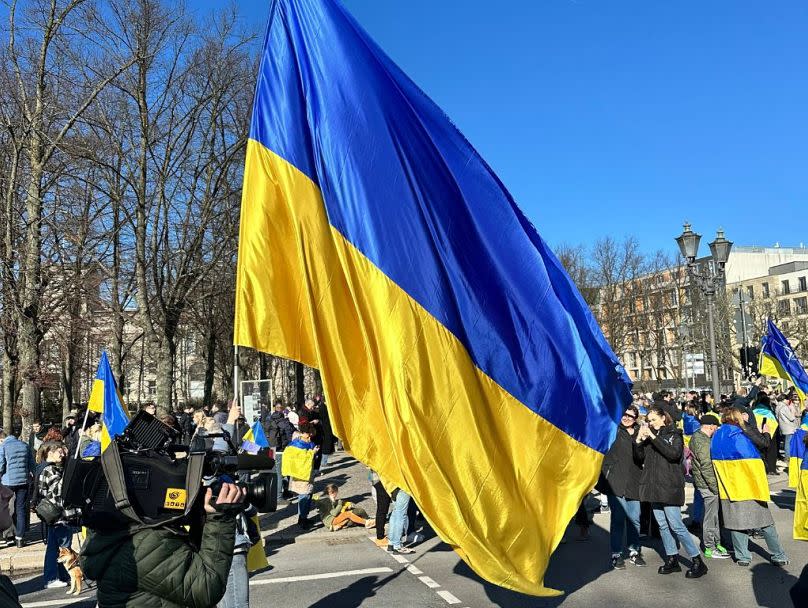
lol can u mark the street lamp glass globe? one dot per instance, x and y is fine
(688, 243)
(720, 248)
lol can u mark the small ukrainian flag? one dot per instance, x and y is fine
(106, 400)
(255, 439)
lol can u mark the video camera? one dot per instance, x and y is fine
(144, 478)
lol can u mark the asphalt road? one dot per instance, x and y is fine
(350, 571)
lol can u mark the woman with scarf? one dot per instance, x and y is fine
(742, 485)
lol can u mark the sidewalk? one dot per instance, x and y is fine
(276, 528)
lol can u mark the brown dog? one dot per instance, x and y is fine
(70, 560)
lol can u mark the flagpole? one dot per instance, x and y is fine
(235, 373)
(81, 428)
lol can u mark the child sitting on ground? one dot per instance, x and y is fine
(337, 513)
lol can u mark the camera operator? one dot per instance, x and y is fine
(162, 567)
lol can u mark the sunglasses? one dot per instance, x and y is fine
(632, 416)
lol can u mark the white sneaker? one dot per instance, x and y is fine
(57, 584)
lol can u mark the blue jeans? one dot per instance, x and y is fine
(670, 522)
(303, 506)
(278, 461)
(697, 515)
(60, 535)
(624, 510)
(787, 445)
(740, 542)
(237, 592)
(398, 519)
(20, 510)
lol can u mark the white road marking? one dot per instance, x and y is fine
(64, 602)
(413, 570)
(400, 559)
(428, 582)
(450, 599)
(316, 577)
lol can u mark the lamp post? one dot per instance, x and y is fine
(708, 281)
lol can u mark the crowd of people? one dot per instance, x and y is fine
(662, 444)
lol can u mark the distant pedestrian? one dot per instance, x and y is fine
(788, 417)
(336, 513)
(17, 468)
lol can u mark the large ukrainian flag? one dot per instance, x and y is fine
(777, 359)
(459, 361)
(738, 466)
(106, 400)
(796, 453)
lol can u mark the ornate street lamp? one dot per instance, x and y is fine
(708, 281)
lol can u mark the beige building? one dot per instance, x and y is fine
(663, 340)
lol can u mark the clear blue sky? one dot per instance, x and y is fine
(620, 117)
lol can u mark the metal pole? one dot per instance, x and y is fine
(235, 373)
(713, 355)
(745, 358)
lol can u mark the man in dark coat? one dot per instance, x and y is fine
(327, 445)
(620, 481)
(664, 400)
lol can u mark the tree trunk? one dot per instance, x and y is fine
(68, 377)
(300, 393)
(165, 375)
(210, 367)
(29, 368)
(9, 388)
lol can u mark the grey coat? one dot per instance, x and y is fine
(746, 514)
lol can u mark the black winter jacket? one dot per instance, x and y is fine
(279, 431)
(663, 476)
(620, 473)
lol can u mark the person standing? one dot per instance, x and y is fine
(327, 445)
(279, 435)
(660, 447)
(788, 417)
(706, 484)
(398, 522)
(620, 482)
(739, 440)
(17, 468)
(58, 534)
(301, 471)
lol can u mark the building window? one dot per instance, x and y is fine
(765, 287)
(750, 292)
(801, 305)
(784, 307)
(803, 284)
(151, 387)
(786, 287)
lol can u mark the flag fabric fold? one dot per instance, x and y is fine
(796, 452)
(738, 466)
(105, 399)
(778, 360)
(800, 525)
(458, 359)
